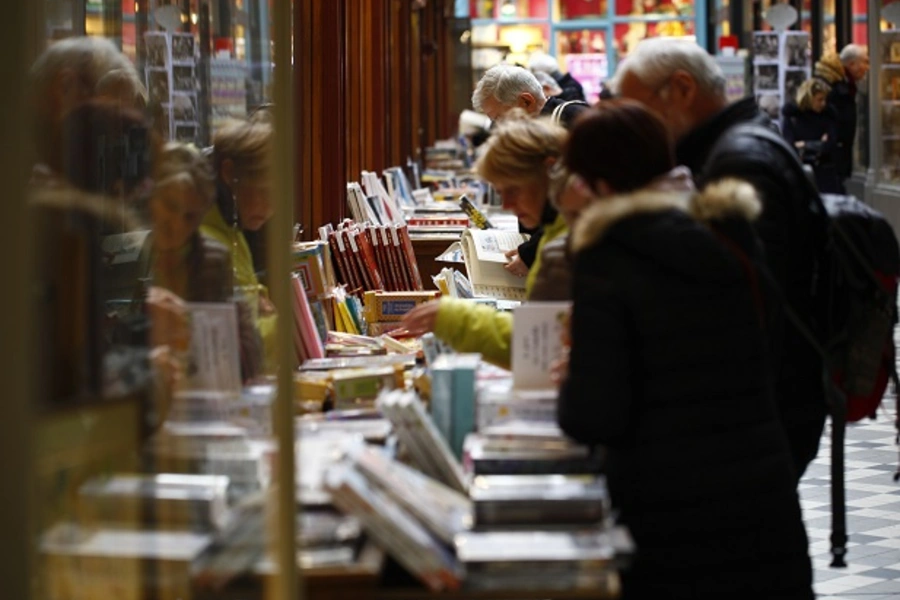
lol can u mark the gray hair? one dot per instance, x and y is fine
(506, 83)
(548, 81)
(541, 62)
(654, 60)
(853, 52)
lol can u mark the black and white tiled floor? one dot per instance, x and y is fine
(873, 513)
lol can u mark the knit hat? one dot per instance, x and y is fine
(830, 68)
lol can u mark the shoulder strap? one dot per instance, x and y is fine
(558, 111)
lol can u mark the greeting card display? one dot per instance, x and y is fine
(171, 78)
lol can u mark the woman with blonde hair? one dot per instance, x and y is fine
(517, 162)
(810, 125)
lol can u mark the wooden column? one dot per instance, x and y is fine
(321, 117)
(415, 83)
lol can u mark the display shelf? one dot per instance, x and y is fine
(517, 21)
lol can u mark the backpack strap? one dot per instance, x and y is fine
(556, 116)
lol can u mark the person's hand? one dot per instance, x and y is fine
(169, 324)
(559, 368)
(800, 144)
(421, 319)
(266, 307)
(824, 137)
(515, 265)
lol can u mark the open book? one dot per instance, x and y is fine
(484, 252)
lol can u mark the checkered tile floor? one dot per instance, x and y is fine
(873, 513)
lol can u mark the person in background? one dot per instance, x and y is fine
(241, 156)
(548, 84)
(541, 62)
(810, 125)
(504, 87)
(501, 89)
(843, 74)
(668, 370)
(685, 86)
(517, 161)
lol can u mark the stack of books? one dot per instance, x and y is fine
(562, 560)
(428, 449)
(579, 500)
(527, 448)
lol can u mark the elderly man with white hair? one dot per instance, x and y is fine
(716, 140)
(505, 87)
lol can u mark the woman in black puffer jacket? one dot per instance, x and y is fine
(669, 371)
(811, 126)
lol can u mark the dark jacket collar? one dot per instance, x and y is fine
(694, 148)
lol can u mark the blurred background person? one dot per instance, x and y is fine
(548, 84)
(810, 125)
(540, 62)
(242, 160)
(843, 73)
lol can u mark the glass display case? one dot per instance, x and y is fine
(158, 472)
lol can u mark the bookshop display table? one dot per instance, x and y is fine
(427, 249)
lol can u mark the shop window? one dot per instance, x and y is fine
(582, 54)
(628, 35)
(508, 9)
(582, 9)
(655, 8)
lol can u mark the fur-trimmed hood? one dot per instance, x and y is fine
(672, 229)
(724, 199)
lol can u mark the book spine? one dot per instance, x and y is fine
(368, 255)
(411, 262)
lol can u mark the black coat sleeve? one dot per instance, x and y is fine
(595, 404)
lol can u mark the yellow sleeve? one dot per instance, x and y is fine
(470, 327)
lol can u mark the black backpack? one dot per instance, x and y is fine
(855, 293)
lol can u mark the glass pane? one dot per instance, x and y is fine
(889, 87)
(654, 8)
(582, 9)
(153, 441)
(629, 34)
(508, 9)
(583, 55)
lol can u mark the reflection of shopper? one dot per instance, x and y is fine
(242, 158)
(544, 63)
(177, 257)
(810, 125)
(843, 73)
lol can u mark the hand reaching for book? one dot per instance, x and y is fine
(516, 265)
(169, 319)
(421, 319)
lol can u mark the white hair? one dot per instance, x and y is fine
(541, 62)
(654, 60)
(853, 52)
(547, 81)
(506, 83)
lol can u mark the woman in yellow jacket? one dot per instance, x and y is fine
(517, 162)
(242, 152)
